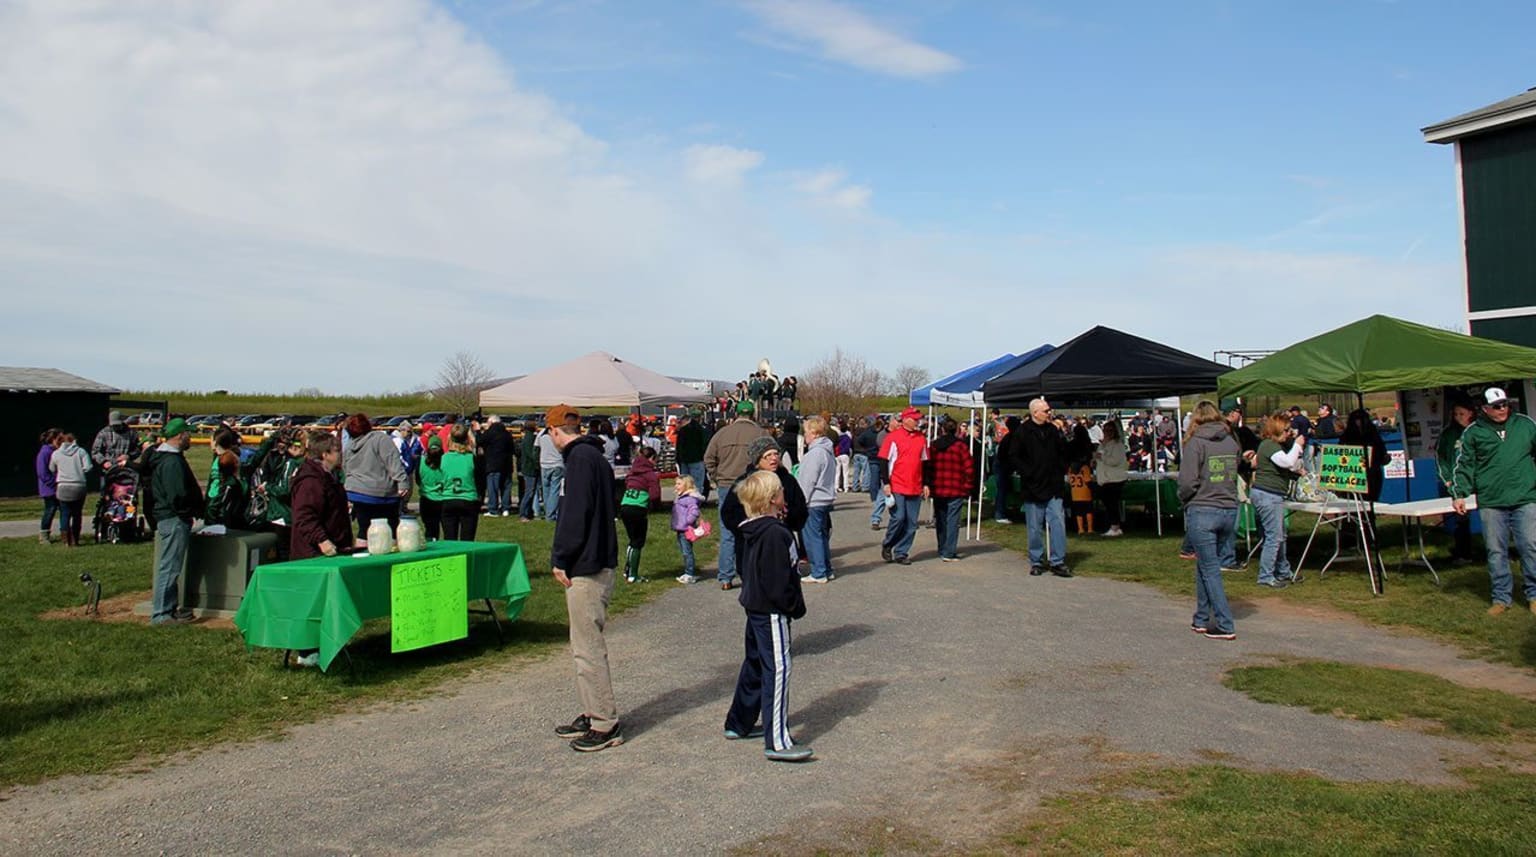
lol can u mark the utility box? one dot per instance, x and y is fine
(216, 572)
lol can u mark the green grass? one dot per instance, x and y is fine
(191, 402)
(1452, 612)
(1376, 693)
(1218, 810)
(85, 696)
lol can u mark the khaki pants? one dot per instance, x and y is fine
(586, 603)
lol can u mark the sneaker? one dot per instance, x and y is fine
(1231, 568)
(576, 728)
(307, 661)
(1197, 627)
(1277, 583)
(1036, 570)
(797, 753)
(1061, 570)
(630, 578)
(1218, 634)
(903, 560)
(733, 735)
(815, 579)
(725, 585)
(594, 740)
(956, 558)
(505, 513)
(490, 514)
(885, 554)
(1498, 609)
(1001, 521)
(526, 520)
(1114, 532)
(1187, 555)
(686, 578)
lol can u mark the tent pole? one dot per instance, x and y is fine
(971, 443)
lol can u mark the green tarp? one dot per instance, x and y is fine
(1380, 354)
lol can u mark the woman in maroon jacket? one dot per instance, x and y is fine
(320, 522)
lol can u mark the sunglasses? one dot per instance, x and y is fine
(1500, 406)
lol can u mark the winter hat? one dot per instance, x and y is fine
(760, 447)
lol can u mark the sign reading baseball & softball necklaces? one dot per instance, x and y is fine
(428, 602)
(1342, 469)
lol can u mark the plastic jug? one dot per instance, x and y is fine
(409, 536)
(380, 539)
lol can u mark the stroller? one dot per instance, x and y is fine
(117, 512)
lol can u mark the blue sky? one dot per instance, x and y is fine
(695, 185)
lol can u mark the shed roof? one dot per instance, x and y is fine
(48, 380)
(1518, 108)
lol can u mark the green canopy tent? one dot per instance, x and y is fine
(1377, 355)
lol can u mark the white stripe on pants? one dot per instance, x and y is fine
(778, 710)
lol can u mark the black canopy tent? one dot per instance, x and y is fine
(1104, 364)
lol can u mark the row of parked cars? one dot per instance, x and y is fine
(260, 423)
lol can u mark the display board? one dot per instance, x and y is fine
(428, 602)
(1341, 469)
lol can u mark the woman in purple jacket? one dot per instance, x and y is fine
(47, 483)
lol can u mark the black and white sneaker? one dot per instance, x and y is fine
(886, 554)
(1061, 571)
(1036, 570)
(576, 728)
(594, 740)
(1218, 634)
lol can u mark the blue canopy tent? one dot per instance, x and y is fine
(920, 397)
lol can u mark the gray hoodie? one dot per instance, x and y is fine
(70, 463)
(818, 473)
(373, 467)
(1208, 470)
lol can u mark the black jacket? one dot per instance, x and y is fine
(1039, 456)
(795, 509)
(497, 444)
(585, 540)
(769, 581)
(867, 443)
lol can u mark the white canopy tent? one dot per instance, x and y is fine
(596, 380)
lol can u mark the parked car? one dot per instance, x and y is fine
(437, 418)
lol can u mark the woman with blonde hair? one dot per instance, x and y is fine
(1274, 472)
(1208, 489)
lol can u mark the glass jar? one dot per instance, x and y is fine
(380, 539)
(409, 536)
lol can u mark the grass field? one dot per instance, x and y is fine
(86, 696)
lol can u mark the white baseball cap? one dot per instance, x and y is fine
(1494, 396)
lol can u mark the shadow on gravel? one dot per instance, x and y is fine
(824, 714)
(717, 688)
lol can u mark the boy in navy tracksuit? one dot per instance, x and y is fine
(770, 593)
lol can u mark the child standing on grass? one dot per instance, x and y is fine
(1081, 479)
(685, 518)
(771, 596)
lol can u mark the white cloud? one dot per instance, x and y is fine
(830, 187)
(720, 165)
(844, 34)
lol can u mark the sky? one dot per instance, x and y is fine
(268, 195)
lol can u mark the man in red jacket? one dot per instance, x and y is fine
(904, 450)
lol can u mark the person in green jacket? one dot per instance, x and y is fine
(1497, 462)
(175, 499)
(528, 468)
(448, 480)
(1462, 414)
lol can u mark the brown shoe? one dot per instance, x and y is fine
(1497, 609)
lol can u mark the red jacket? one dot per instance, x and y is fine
(951, 472)
(319, 512)
(904, 452)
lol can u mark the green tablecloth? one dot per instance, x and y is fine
(320, 603)
(1139, 492)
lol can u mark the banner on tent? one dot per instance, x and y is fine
(1423, 418)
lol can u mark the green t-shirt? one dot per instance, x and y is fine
(452, 479)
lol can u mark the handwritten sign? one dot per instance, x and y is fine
(1342, 469)
(428, 602)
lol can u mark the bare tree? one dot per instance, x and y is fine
(839, 384)
(460, 381)
(907, 378)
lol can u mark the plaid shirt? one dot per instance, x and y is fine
(951, 472)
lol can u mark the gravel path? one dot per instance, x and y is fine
(939, 698)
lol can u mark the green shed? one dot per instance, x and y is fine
(33, 400)
(1496, 179)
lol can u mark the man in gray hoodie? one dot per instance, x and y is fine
(818, 479)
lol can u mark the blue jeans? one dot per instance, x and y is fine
(817, 534)
(551, 479)
(498, 493)
(1269, 509)
(695, 471)
(1207, 528)
(1046, 520)
(856, 475)
(171, 538)
(50, 508)
(1498, 526)
(1000, 508)
(727, 546)
(903, 527)
(685, 548)
(528, 504)
(946, 523)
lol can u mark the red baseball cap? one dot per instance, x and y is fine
(911, 414)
